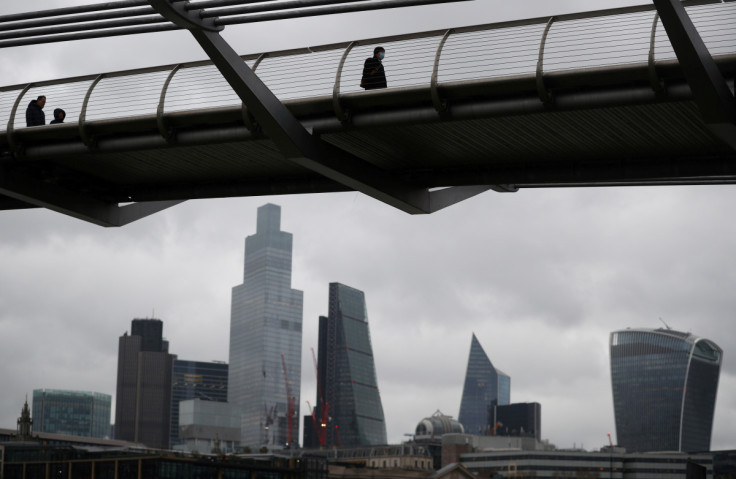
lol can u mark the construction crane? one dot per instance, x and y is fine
(320, 424)
(291, 404)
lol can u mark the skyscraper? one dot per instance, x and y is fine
(74, 413)
(195, 380)
(484, 387)
(143, 396)
(664, 389)
(347, 373)
(266, 337)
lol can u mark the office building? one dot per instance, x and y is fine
(350, 407)
(604, 464)
(208, 426)
(520, 419)
(195, 380)
(264, 378)
(143, 397)
(73, 413)
(664, 389)
(484, 386)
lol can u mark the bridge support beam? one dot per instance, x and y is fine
(293, 140)
(34, 193)
(709, 88)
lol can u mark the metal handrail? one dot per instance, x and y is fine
(519, 45)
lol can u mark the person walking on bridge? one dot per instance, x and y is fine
(34, 113)
(374, 76)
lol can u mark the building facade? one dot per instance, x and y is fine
(580, 464)
(350, 406)
(208, 426)
(484, 387)
(74, 413)
(664, 389)
(143, 396)
(264, 377)
(520, 419)
(195, 380)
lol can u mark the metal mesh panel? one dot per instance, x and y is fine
(197, 88)
(597, 42)
(7, 98)
(67, 96)
(487, 52)
(490, 53)
(126, 96)
(300, 76)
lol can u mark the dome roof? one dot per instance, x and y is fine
(437, 425)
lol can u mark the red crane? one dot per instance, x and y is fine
(291, 404)
(320, 424)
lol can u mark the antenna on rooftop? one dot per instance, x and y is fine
(667, 325)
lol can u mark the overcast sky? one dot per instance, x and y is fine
(541, 276)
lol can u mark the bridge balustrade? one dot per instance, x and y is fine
(540, 47)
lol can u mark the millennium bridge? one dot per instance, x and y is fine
(622, 97)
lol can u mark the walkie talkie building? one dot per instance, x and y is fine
(664, 389)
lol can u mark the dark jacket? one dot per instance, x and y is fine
(35, 115)
(378, 77)
(56, 116)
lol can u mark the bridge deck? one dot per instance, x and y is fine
(617, 111)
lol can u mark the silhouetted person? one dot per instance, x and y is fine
(34, 113)
(374, 76)
(59, 116)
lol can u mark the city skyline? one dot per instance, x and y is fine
(541, 276)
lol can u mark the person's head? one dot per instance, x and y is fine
(41, 101)
(59, 114)
(379, 53)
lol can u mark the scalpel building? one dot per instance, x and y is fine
(664, 389)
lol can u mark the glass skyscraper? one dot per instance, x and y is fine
(351, 403)
(195, 380)
(484, 387)
(664, 389)
(74, 413)
(265, 336)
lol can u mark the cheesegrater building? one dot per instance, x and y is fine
(350, 405)
(664, 389)
(485, 386)
(266, 338)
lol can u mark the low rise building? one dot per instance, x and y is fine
(208, 426)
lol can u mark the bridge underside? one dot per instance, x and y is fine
(600, 128)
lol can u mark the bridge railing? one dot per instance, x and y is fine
(536, 47)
